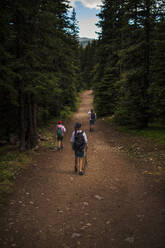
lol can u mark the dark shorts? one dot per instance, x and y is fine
(79, 154)
(59, 138)
(92, 122)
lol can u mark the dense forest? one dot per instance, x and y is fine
(43, 66)
(39, 66)
(127, 70)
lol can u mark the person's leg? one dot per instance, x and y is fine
(93, 123)
(81, 158)
(58, 143)
(61, 143)
(76, 164)
(81, 165)
(90, 129)
(62, 146)
(85, 154)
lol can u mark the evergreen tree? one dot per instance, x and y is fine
(108, 69)
(74, 46)
(8, 94)
(123, 70)
(157, 87)
(74, 24)
(39, 66)
(134, 102)
(88, 60)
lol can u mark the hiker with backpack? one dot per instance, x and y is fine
(79, 144)
(92, 120)
(60, 130)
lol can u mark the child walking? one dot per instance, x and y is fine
(60, 130)
(92, 120)
(79, 144)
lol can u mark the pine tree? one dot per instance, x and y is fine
(8, 94)
(123, 70)
(88, 60)
(157, 87)
(74, 24)
(108, 69)
(133, 107)
(39, 66)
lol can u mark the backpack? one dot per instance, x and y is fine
(93, 116)
(79, 142)
(59, 132)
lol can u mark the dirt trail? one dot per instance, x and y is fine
(114, 205)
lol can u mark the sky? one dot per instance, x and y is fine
(86, 11)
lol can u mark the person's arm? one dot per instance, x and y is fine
(64, 129)
(72, 138)
(86, 140)
(85, 137)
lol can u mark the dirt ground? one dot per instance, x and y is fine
(118, 203)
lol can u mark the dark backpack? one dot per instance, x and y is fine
(79, 142)
(93, 116)
(59, 132)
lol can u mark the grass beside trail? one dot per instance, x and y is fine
(155, 157)
(12, 163)
(153, 131)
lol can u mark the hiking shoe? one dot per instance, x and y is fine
(75, 169)
(81, 173)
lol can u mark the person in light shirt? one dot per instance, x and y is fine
(79, 144)
(92, 120)
(60, 130)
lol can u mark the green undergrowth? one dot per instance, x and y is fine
(12, 162)
(48, 138)
(66, 113)
(155, 132)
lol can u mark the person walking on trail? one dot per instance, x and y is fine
(79, 144)
(60, 130)
(92, 120)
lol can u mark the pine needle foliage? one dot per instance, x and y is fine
(39, 66)
(129, 70)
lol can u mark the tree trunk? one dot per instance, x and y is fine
(19, 53)
(147, 60)
(34, 109)
(147, 40)
(32, 123)
(22, 116)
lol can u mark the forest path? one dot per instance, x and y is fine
(114, 205)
